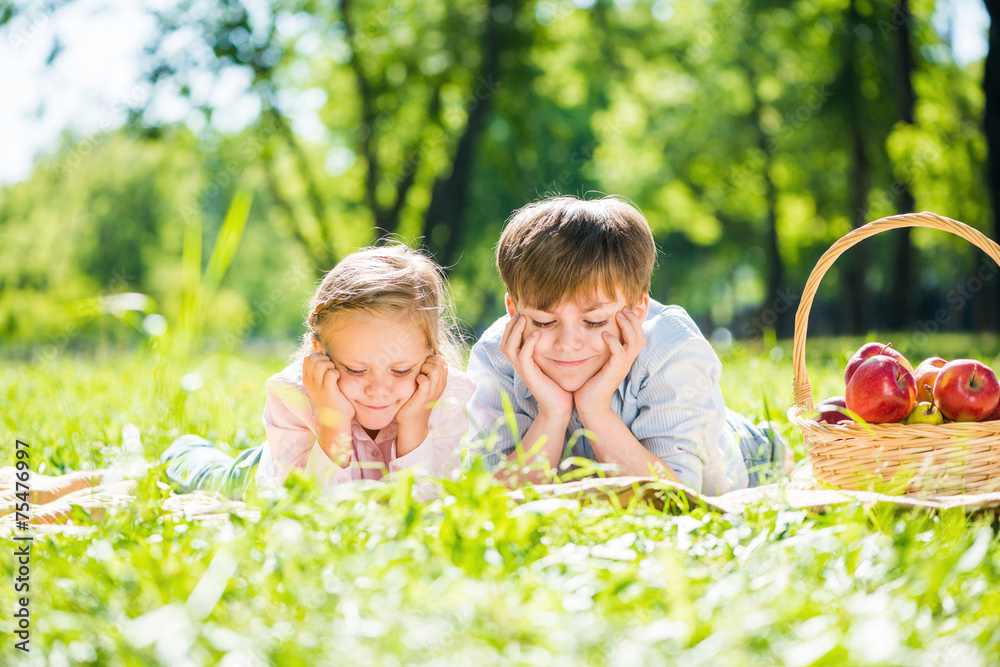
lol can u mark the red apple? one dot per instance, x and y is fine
(995, 416)
(833, 410)
(924, 375)
(881, 390)
(869, 350)
(966, 390)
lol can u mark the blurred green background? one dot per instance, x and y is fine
(752, 134)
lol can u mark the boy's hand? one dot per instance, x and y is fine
(320, 377)
(552, 399)
(594, 397)
(412, 418)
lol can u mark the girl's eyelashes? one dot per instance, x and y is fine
(399, 373)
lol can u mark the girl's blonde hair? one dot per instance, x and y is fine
(385, 280)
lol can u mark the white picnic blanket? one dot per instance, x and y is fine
(53, 499)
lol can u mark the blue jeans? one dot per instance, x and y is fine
(193, 463)
(762, 447)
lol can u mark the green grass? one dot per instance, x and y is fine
(374, 578)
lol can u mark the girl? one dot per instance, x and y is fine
(370, 390)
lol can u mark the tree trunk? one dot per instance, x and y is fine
(321, 256)
(444, 220)
(991, 126)
(859, 304)
(314, 198)
(784, 317)
(901, 306)
(784, 323)
(366, 133)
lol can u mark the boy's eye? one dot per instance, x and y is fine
(400, 374)
(596, 325)
(542, 325)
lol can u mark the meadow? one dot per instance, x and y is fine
(375, 577)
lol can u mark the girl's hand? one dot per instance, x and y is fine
(412, 418)
(594, 397)
(320, 377)
(552, 399)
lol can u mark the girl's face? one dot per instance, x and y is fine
(570, 348)
(379, 359)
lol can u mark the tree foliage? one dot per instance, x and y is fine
(752, 134)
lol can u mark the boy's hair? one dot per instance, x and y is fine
(565, 247)
(385, 281)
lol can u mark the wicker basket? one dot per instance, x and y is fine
(945, 459)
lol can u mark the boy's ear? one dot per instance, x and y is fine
(509, 302)
(642, 307)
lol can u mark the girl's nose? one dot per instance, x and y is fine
(378, 387)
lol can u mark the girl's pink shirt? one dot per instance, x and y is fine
(290, 424)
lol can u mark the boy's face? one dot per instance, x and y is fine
(570, 348)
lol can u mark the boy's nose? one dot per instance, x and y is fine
(568, 338)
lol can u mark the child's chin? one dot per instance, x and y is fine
(377, 424)
(570, 384)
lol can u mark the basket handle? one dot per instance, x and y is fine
(802, 391)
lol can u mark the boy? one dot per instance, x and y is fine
(584, 347)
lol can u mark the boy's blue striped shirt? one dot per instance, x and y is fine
(670, 400)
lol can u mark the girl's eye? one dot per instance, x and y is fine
(542, 325)
(400, 374)
(596, 325)
(353, 372)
